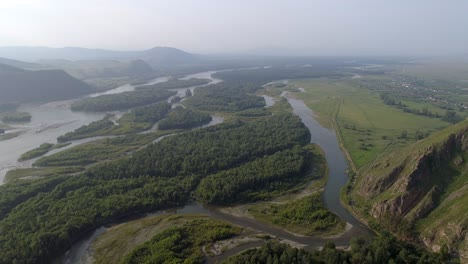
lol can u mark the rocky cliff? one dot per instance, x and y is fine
(421, 192)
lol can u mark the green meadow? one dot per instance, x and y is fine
(367, 126)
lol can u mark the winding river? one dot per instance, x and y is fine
(54, 119)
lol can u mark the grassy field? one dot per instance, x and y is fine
(120, 240)
(305, 216)
(367, 126)
(100, 150)
(40, 172)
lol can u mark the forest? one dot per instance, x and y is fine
(121, 101)
(16, 117)
(37, 152)
(225, 97)
(264, 75)
(90, 130)
(382, 249)
(256, 180)
(182, 118)
(136, 120)
(46, 219)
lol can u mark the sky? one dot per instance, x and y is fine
(309, 27)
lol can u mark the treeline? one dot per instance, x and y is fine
(92, 129)
(163, 175)
(55, 217)
(182, 118)
(255, 112)
(16, 117)
(175, 83)
(382, 249)
(120, 101)
(265, 75)
(147, 114)
(37, 152)
(137, 120)
(212, 149)
(226, 97)
(98, 150)
(280, 171)
(181, 244)
(452, 117)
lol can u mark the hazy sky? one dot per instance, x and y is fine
(220, 26)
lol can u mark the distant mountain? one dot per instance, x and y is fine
(157, 57)
(21, 64)
(42, 85)
(163, 56)
(88, 69)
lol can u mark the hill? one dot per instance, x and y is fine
(421, 192)
(157, 56)
(88, 69)
(42, 85)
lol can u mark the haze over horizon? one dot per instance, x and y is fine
(298, 27)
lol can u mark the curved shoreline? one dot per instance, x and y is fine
(337, 178)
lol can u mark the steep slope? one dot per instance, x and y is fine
(43, 85)
(421, 192)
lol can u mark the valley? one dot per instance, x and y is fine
(259, 170)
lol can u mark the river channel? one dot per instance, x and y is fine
(54, 119)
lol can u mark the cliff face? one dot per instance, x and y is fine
(421, 192)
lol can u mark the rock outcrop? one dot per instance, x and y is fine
(421, 192)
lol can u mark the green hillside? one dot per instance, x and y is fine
(420, 192)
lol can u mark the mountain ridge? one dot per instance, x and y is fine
(42, 85)
(156, 56)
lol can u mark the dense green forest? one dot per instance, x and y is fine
(254, 112)
(91, 130)
(209, 150)
(175, 83)
(182, 118)
(44, 223)
(16, 117)
(137, 120)
(264, 75)
(280, 171)
(228, 97)
(382, 249)
(181, 244)
(120, 101)
(147, 114)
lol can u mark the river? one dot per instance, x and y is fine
(337, 178)
(54, 119)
